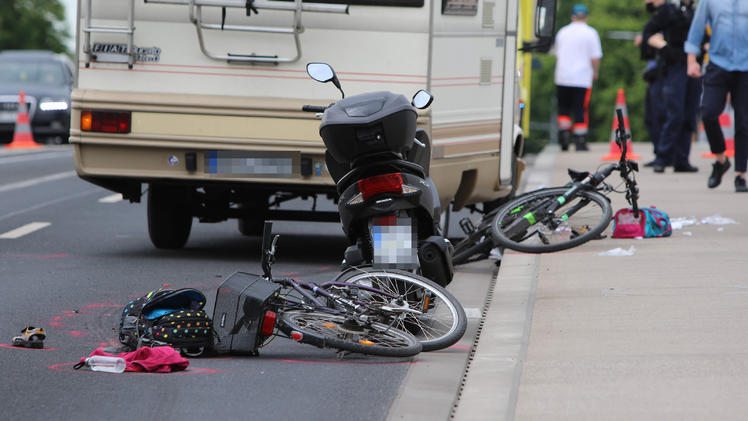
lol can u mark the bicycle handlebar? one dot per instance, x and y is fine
(621, 135)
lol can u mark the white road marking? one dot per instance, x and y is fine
(34, 157)
(473, 313)
(35, 181)
(49, 203)
(26, 229)
(114, 198)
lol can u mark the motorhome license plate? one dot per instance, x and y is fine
(255, 164)
(395, 244)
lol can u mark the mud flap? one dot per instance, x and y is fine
(435, 255)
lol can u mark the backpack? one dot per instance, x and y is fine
(167, 317)
(651, 223)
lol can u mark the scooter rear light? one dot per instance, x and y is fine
(385, 183)
(268, 323)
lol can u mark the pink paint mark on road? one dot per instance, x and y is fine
(55, 324)
(54, 256)
(24, 348)
(68, 367)
(100, 305)
(460, 347)
(77, 333)
(350, 362)
(289, 273)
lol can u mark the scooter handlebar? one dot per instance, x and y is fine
(313, 108)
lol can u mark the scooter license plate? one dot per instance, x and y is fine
(395, 244)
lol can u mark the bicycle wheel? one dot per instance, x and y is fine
(430, 312)
(336, 331)
(581, 218)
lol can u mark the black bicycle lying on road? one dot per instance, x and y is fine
(370, 311)
(556, 218)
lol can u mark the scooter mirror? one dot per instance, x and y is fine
(422, 99)
(321, 72)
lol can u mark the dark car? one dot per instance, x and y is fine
(46, 79)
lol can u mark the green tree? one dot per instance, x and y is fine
(620, 68)
(33, 24)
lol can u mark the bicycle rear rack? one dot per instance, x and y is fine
(196, 17)
(128, 30)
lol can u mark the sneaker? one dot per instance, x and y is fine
(740, 185)
(718, 170)
(658, 168)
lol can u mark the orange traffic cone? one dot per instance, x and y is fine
(615, 151)
(22, 138)
(728, 130)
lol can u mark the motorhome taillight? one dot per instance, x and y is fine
(385, 183)
(105, 121)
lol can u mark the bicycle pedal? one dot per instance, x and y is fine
(467, 226)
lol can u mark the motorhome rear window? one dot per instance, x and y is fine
(395, 3)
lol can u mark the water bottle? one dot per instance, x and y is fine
(106, 364)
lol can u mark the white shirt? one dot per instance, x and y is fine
(576, 45)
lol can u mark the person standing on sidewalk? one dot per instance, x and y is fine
(727, 72)
(578, 53)
(653, 110)
(666, 32)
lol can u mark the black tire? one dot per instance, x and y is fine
(441, 324)
(169, 216)
(251, 227)
(490, 206)
(252, 219)
(335, 331)
(593, 214)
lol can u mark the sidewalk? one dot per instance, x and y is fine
(661, 334)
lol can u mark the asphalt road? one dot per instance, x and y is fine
(71, 256)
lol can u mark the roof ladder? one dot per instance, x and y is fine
(128, 30)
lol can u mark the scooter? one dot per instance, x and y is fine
(379, 160)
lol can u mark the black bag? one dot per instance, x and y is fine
(168, 317)
(243, 313)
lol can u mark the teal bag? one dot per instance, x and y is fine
(652, 222)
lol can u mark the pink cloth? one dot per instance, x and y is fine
(160, 359)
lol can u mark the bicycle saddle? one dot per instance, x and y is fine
(578, 175)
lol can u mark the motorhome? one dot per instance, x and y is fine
(198, 102)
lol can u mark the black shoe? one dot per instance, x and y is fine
(649, 164)
(564, 138)
(580, 143)
(685, 168)
(718, 170)
(658, 168)
(740, 186)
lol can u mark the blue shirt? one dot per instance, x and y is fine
(728, 46)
